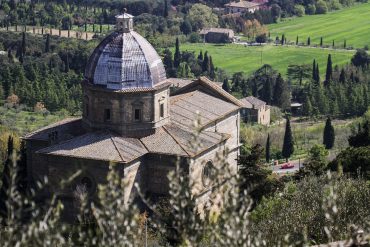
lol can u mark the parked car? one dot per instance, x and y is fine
(286, 166)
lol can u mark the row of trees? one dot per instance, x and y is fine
(43, 70)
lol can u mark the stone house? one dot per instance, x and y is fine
(242, 7)
(131, 120)
(217, 35)
(255, 111)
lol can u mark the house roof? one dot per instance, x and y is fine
(179, 82)
(227, 31)
(252, 102)
(242, 4)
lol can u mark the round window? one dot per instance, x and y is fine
(208, 173)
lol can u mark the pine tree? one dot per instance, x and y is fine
(165, 11)
(47, 43)
(329, 72)
(5, 179)
(177, 57)
(329, 134)
(288, 145)
(321, 42)
(226, 85)
(268, 149)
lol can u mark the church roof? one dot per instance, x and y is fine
(187, 107)
(125, 60)
(99, 145)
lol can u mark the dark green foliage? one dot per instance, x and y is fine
(314, 70)
(307, 107)
(361, 58)
(316, 162)
(329, 134)
(177, 56)
(165, 11)
(268, 149)
(254, 178)
(362, 137)
(288, 145)
(205, 64)
(212, 73)
(47, 44)
(226, 85)
(329, 71)
(321, 42)
(299, 73)
(296, 41)
(342, 76)
(281, 93)
(308, 41)
(186, 27)
(354, 161)
(5, 179)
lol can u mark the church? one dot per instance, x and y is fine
(133, 119)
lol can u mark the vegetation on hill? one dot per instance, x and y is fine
(347, 27)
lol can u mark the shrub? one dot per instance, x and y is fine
(321, 7)
(299, 10)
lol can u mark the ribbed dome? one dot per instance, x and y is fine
(125, 60)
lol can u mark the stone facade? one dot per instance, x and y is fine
(255, 111)
(141, 131)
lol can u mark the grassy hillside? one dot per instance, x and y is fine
(350, 24)
(235, 58)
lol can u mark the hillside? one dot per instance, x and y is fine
(235, 58)
(350, 24)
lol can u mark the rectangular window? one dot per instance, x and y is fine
(107, 116)
(137, 115)
(161, 110)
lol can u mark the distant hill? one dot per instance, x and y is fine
(350, 24)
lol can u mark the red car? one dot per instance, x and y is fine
(286, 166)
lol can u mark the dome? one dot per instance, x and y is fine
(125, 60)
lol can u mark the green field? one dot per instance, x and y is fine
(235, 58)
(350, 24)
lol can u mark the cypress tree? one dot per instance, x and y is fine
(47, 43)
(200, 57)
(307, 107)
(296, 41)
(6, 176)
(282, 39)
(177, 57)
(165, 12)
(333, 44)
(321, 42)
(342, 76)
(308, 41)
(329, 71)
(314, 70)
(268, 149)
(288, 145)
(212, 73)
(267, 91)
(329, 134)
(281, 93)
(345, 44)
(226, 85)
(317, 74)
(205, 62)
(23, 44)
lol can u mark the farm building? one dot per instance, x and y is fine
(217, 35)
(243, 6)
(255, 111)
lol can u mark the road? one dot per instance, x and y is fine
(277, 169)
